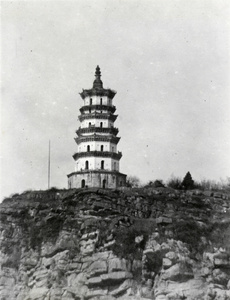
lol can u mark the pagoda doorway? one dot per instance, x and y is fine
(103, 183)
(83, 183)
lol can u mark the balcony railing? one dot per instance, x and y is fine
(109, 154)
(93, 129)
(111, 109)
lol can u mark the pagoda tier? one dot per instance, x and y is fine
(95, 115)
(97, 158)
(99, 107)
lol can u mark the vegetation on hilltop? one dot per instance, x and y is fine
(187, 183)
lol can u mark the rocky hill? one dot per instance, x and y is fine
(126, 244)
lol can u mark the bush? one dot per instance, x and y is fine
(133, 182)
(189, 231)
(155, 184)
(53, 189)
(125, 245)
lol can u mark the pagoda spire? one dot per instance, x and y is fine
(97, 82)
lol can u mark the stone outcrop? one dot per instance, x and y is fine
(153, 243)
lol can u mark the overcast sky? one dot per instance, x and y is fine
(168, 60)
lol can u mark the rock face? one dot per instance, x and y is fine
(153, 243)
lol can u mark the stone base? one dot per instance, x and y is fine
(100, 179)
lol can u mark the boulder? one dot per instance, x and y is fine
(221, 260)
(96, 293)
(220, 277)
(117, 264)
(178, 272)
(163, 220)
(127, 284)
(75, 266)
(114, 277)
(37, 293)
(171, 255)
(94, 281)
(167, 263)
(217, 195)
(98, 267)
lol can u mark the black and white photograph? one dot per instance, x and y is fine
(115, 150)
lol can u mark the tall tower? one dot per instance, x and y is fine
(97, 159)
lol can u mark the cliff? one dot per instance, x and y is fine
(125, 244)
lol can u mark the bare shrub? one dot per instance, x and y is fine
(213, 185)
(174, 182)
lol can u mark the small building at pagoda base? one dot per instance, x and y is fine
(97, 160)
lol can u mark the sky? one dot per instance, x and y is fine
(168, 60)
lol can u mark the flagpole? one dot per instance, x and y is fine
(49, 167)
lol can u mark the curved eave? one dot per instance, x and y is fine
(97, 138)
(98, 154)
(97, 171)
(97, 92)
(111, 109)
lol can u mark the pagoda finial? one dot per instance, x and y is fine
(97, 82)
(98, 71)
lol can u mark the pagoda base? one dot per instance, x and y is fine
(100, 179)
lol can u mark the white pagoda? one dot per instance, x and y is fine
(97, 159)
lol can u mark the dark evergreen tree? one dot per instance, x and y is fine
(188, 182)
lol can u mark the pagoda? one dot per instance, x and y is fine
(97, 159)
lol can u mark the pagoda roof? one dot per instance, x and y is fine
(98, 138)
(97, 89)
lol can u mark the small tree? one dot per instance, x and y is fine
(188, 182)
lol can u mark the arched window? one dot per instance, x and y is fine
(101, 124)
(91, 101)
(89, 124)
(86, 165)
(83, 183)
(112, 149)
(90, 110)
(101, 101)
(88, 148)
(102, 164)
(102, 148)
(103, 183)
(114, 165)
